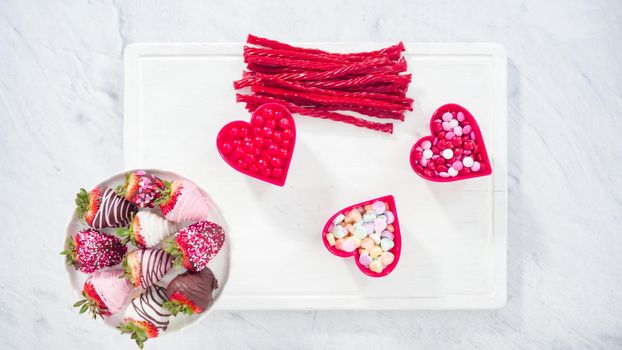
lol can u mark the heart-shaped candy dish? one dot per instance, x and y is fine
(262, 148)
(368, 231)
(455, 149)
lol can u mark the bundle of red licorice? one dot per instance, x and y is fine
(327, 85)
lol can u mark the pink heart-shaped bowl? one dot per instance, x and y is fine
(455, 149)
(262, 148)
(397, 239)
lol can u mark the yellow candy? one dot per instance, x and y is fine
(390, 228)
(331, 239)
(350, 228)
(376, 266)
(375, 251)
(367, 243)
(363, 251)
(358, 241)
(354, 216)
(387, 258)
(368, 207)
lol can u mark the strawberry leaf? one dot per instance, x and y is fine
(171, 247)
(82, 203)
(70, 251)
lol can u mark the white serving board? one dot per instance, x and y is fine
(178, 96)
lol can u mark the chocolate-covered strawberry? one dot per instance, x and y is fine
(190, 292)
(102, 207)
(182, 200)
(144, 267)
(194, 246)
(90, 250)
(105, 293)
(147, 230)
(141, 188)
(145, 317)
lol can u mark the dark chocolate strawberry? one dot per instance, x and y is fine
(191, 292)
(102, 207)
(194, 246)
(90, 250)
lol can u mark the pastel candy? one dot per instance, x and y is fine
(349, 245)
(390, 217)
(365, 259)
(390, 228)
(375, 237)
(331, 239)
(339, 232)
(375, 251)
(376, 266)
(386, 244)
(387, 234)
(369, 217)
(350, 228)
(338, 219)
(339, 243)
(379, 225)
(353, 216)
(379, 207)
(360, 231)
(367, 243)
(387, 258)
(369, 227)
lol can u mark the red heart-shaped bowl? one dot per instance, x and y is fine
(455, 149)
(262, 148)
(397, 240)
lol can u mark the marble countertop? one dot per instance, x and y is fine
(61, 115)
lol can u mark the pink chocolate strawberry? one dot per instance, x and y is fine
(194, 246)
(141, 188)
(90, 250)
(105, 293)
(182, 200)
(102, 207)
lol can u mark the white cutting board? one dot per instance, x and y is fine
(178, 96)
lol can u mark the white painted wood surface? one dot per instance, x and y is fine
(178, 96)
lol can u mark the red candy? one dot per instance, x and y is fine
(466, 151)
(261, 148)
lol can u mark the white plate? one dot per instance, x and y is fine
(178, 96)
(220, 265)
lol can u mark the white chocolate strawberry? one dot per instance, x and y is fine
(147, 230)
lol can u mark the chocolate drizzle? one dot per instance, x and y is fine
(148, 306)
(196, 286)
(154, 264)
(114, 210)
